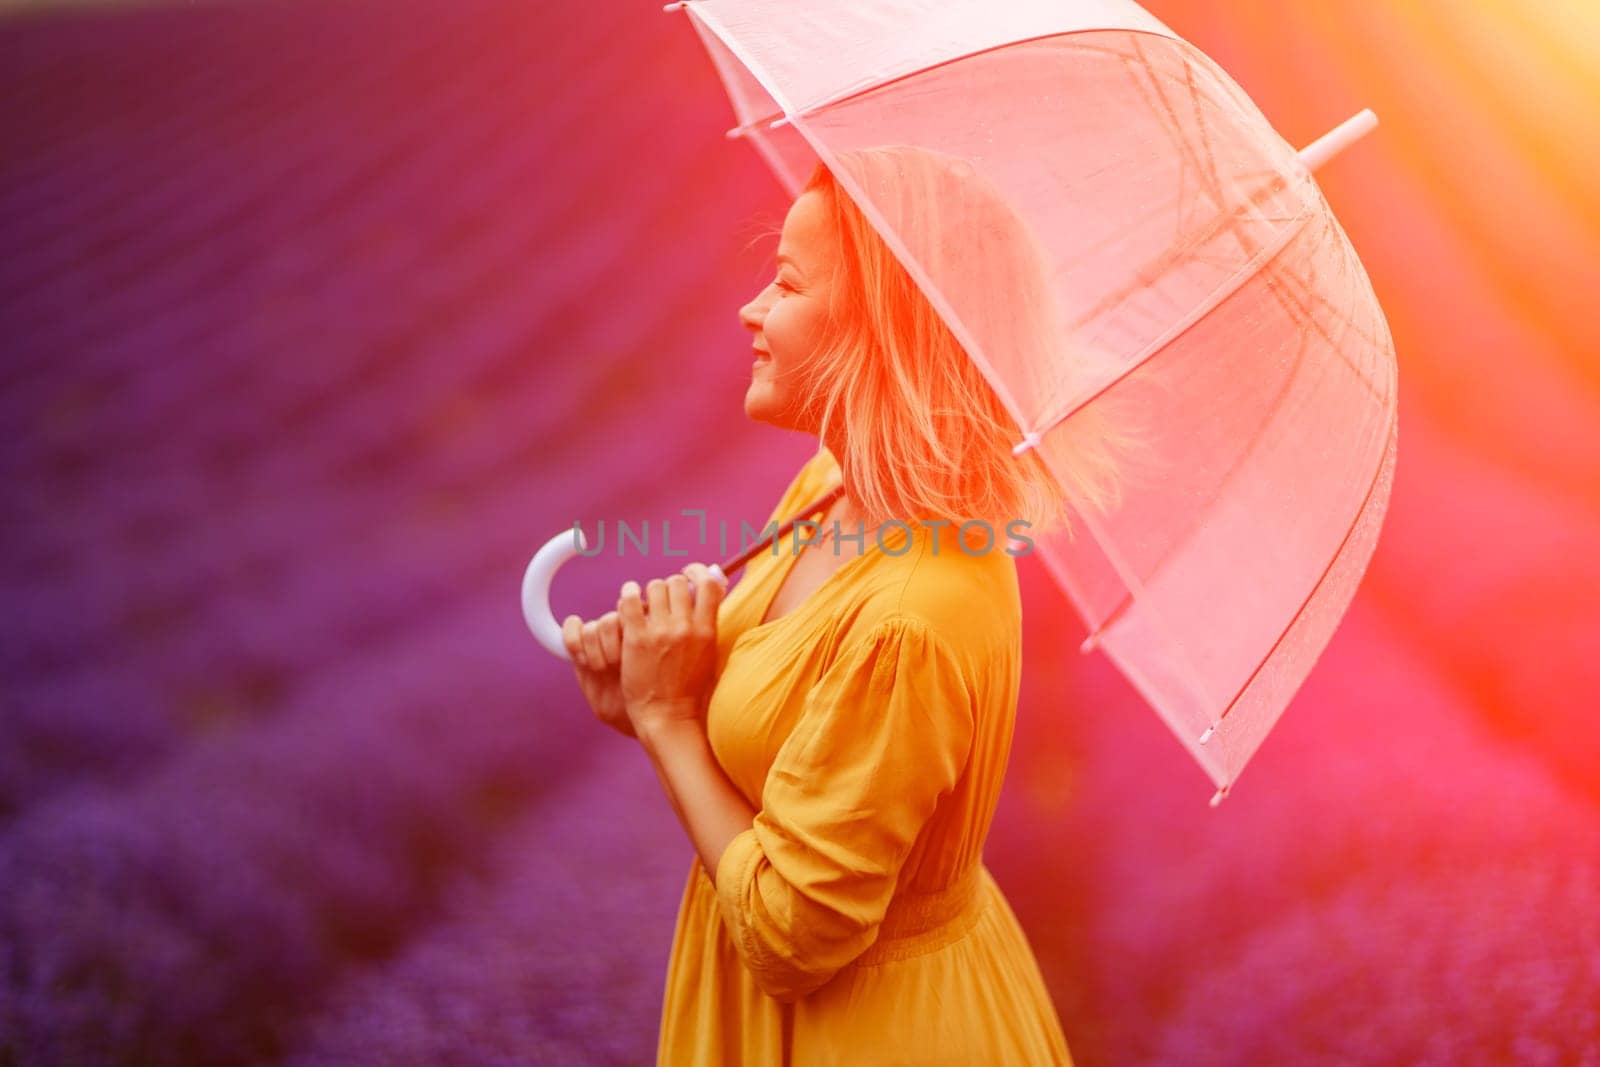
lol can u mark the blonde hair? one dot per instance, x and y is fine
(926, 433)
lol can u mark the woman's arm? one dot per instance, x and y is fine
(886, 732)
(710, 807)
(668, 666)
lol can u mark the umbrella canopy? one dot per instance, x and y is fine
(1153, 283)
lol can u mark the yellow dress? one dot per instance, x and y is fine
(854, 922)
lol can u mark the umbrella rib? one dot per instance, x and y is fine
(1369, 338)
(1298, 363)
(1221, 484)
(1217, 297)
(1323, 577)
(1151, 95)
(1286, 291)
(848, 95)
(1086, 250)
(1208, 178)
(1223, 219)
(1205, 144)
(1150, 271)
(1210, 166)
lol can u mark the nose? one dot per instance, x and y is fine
(752, 314)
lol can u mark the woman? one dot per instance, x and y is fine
(834, 734)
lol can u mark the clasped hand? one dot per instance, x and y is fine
(653, 659)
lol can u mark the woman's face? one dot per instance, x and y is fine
(788, 317)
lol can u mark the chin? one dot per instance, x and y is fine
(766, 404)
(759, 406)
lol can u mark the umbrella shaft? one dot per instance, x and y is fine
(733, 563)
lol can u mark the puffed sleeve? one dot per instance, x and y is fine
(884, 733)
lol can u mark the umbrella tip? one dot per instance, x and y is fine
(1029, 441)
(675, 5)
(1336, 140)
(1207, 735)
(1216, 798)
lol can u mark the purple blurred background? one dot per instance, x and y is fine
(318, 318)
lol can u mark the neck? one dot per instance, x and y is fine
(847, 508)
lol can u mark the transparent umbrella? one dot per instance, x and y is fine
(1150, 278)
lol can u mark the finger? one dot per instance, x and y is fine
(611, 638)
(593, 656)
(708, 593)
(572, 638)
(630, 609)
(655, 592)
(679, 599)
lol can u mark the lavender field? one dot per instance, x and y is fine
(317, 318)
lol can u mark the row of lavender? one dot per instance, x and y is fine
(293, 365)
(238, 518)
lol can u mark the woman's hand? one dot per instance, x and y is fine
(596, 651)
(669, 646)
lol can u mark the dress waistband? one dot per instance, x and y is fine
(916, 923)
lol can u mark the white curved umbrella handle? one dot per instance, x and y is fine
(536, 587)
